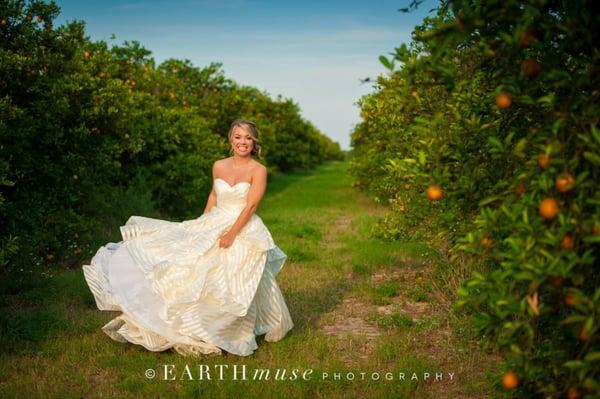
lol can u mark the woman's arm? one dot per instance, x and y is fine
(255, 194)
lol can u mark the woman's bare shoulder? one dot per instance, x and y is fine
(259, 172)
(256, 164)
(221, 163)
(222, 160)
(257, 167)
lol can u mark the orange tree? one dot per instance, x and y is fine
(487, 124)
(80, 121)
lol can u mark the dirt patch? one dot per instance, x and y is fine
(348, 323)
(414, 310)
(404, 274)
(386, 275)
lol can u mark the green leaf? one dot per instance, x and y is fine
(592, 357)
(573, 319)
(386, 63)
(519, 149)
(478, 275)
(489, 200)
(515, 348)
(592, 157)
(574, 364)
(592, 238)
(524, 275)
(547, 99)
(596, 134)
(459, 303)
(495, 142)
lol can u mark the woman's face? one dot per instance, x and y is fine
(241, 141)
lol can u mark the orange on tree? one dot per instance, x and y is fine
(544, 160)
(565, 182)
(530, 67)
(510, 380)
(526, 37)
(40, 20)
(596, 229)
(503, 100)
(556, 281)
(520, 189)
(548, 208)
(434, 192)
(570, 299)
(574, 393)
(487, 242)
(567, 242)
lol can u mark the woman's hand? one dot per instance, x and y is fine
(226, 240)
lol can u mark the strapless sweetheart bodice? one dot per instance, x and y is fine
(231, 198)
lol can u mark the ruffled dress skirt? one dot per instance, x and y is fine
(176, 288)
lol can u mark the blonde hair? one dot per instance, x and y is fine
(252, 129)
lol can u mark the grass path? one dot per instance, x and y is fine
(359, 305)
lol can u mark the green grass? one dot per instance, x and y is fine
(417, 294)
(381, 294)
(52, 346)
(393, 320)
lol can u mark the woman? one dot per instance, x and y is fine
(203, 285)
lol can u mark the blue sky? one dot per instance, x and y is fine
(314, 52)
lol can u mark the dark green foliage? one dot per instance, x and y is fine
(485, 89)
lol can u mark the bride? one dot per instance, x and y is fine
(203, 285)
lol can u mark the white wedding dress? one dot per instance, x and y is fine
(176, 288)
